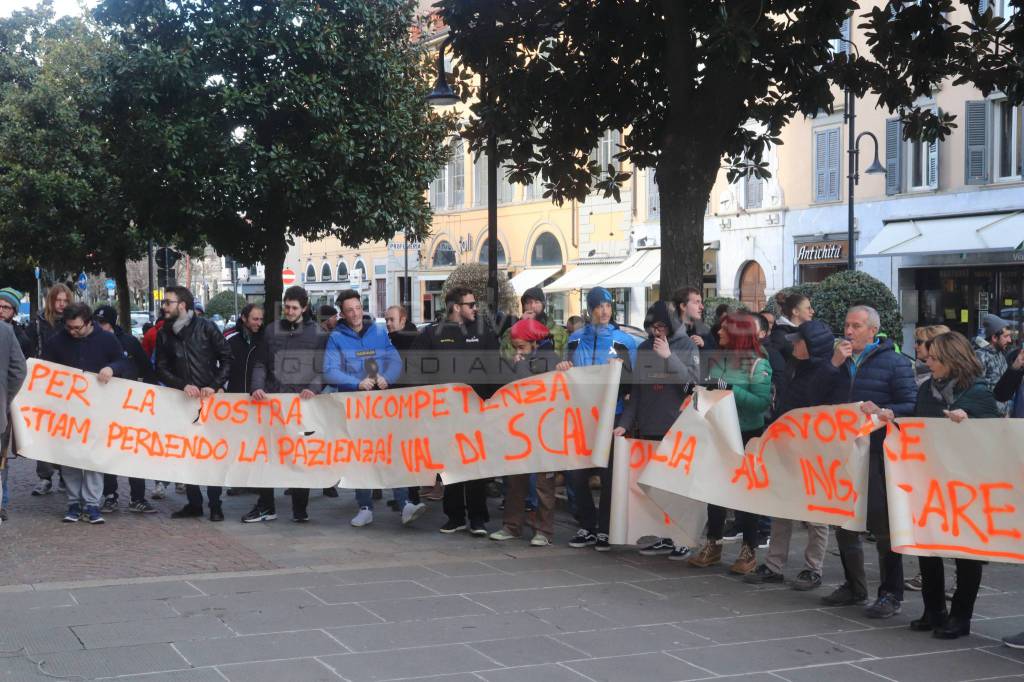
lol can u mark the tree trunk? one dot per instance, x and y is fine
(273, 264)
(119, 269)
(683, 188)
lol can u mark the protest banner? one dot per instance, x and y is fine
(634, 514)
(364, 439)
(811, 464)
(954, 490)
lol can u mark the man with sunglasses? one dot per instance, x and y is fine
(465, 333)
(83, 345)
(193, 356)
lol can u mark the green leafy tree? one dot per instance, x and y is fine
(845, 289)
(473, 276)
(312, 117)
(694, 82)
(225, 303)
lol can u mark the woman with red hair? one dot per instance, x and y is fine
(742, 366)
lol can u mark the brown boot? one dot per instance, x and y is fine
(745, 562)
(710, 553)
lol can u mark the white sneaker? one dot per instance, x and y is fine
(44, 487)
(540, 540)
(363, 518)
(410, 512)
(159, 491)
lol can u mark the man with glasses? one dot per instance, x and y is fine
(84, 346)
(192, 356)
(289, 359)
(12, 368)
(465, 333)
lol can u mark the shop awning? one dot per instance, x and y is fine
(955, 234)
(585, 276)
(532, 277)
(642, 269)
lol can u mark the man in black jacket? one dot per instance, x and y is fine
(192, 356)
(401, 330)
(289, 359)
(243, 341)
(465, 333)
(140, 368)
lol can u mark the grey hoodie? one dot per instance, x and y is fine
(660, 385)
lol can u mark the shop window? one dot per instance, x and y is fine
(456, 176)
(483, 252)
(826, 164)
(546, 251)
(325, 272)
(444, 255)
(342, 271)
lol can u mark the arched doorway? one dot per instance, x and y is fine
(752, 283)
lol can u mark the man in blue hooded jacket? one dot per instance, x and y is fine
(360, 357)
(598, 343)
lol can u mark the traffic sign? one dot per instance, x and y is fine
(288, 276)
(83, 282)
(111, 285)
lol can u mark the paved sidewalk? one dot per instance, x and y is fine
(147, 598)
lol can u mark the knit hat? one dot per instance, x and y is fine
(12, 296)
(534, 293)
(659, 312)
(597, 296)
(994, 325)
(818, 337)
(105, 314)
(529, 330)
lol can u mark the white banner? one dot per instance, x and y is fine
(955, 490)
(365, 439)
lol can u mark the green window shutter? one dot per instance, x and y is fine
(893, 156)
(976, 136)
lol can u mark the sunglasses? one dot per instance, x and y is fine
(471, 304)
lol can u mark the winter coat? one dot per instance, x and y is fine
(403, 339)
(348, 352)
(12, 369)
(977, 401)
(24, 342)
(477, 347)
(994, 364)
(750, 379)
(777, 338)
(806, 375)
(595, 345)
(39, 332)
(141, 368)
(243, 345)
(660, 385)
(559, 338)
(1010, 382)
(290, 358)
(199, 356)
(91, 354)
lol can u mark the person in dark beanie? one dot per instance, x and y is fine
(991, 352)
(141, 369)
(13, 370)
(667, 364)
(82, 345)
(533, 302)
(10, 301)
(811, 346)
(600, 342)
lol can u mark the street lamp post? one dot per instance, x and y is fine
(853, 176)
(443, 95)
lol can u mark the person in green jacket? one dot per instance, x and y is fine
(957, 390)
(742, 367)
(533, 302)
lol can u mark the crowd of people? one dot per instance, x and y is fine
(772, 362)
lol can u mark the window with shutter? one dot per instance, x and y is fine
(833, 164)
(752, 191)
(653, 197)
(480, 180)
(456, 176)
(821, 165)
(933, 165)
(893, 156)
(976, 154)
(506, 190)
(1007, 134)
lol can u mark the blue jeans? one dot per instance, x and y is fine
(6, 494)
(365, 497)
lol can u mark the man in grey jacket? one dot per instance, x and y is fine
(289, 359)
(12, 369)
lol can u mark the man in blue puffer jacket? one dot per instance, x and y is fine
(360, 357)
(867, 368)
(598, 343)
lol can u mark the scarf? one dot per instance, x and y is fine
(945, 391)
(182, 321)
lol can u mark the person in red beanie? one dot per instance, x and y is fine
(534, 354)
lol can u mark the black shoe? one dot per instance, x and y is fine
(478, 529)
(763, 574)
(300, 517)
(330, 492)
(257, 515)
(378, 494)
(843, 596)
(602, 544)
(453, 527)
(953, 628)
(886, 606)
(187, 512)
(929, 620)
(583, 538)
(216, 514)
(807, 580)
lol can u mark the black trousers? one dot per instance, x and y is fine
(933, 589)
(136, 487)
(195, 496)
(747, 523)
(300, 500)
(466, 499)
(595, 520)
